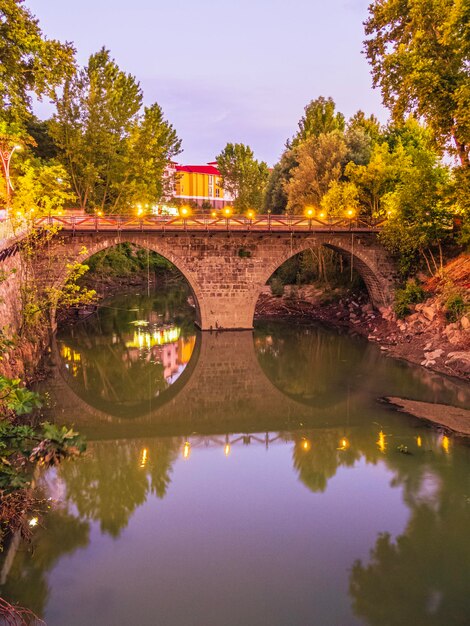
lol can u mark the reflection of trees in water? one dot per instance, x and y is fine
(319, 367)
(423, 576)
(113, 480)
(317, 455)
(27, 581)
(425, 570)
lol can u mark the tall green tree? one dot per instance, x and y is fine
(420, 53)
(319, 164)
(275, 199)
(243, 176)
(320, 117)
(29, 63)
(114, 152)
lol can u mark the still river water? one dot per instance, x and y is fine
(243, 479)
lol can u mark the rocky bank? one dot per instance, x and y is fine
(425, 336)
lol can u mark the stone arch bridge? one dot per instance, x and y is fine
(226, 262)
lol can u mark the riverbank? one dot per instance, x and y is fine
(425, 336)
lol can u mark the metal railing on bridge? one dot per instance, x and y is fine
(204, 223)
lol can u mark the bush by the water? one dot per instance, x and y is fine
(411, 293)
(277, 286)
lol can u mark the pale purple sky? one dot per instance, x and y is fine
(227, 70)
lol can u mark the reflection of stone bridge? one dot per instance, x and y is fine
(222, 389)
(227, 269)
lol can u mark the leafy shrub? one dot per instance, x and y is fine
(411, 293)
(456, 306)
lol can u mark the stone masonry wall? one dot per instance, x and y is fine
(227, 271)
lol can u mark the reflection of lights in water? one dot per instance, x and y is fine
(70, 355)
(33, 521)
(143, 457)
(343, 444)
(186, 450)
(160, 337)
(227, 449)
(306, 445)
(419, 441)
(381, 443)
(445, 443)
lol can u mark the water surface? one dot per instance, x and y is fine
(244, 478)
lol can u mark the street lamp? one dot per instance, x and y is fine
(350, 213)
(184, 212)
(227, 211)
(5, 155)
(309, 213)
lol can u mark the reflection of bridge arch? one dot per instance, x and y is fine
(110, 409)
(225, 391)
(227, 270)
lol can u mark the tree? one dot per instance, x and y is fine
(319, 163)
(115, 153)
(275, 199)
(41, 189)
(29, 63)
(378, 177)
(243, 176)
(362, 133)
(319, 118)
(340, 198)
(419, 52)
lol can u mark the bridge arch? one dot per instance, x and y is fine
(92, 246)
(370, 261)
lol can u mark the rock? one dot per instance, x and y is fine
(429, 312)
(465, 322)
(428, 346)
(459, 361)
(435, 354)
(367, 308)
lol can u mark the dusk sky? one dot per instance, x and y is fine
(226, 70)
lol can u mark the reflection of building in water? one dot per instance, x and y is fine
(164, 346)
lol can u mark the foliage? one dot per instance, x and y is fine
(340, 197)
(39, 302)
(419, 52)
(319, 164)
(275, 199)
(277, 286)
(29, 63)
(41, 189)
(16, 397)
(419, 207)
(319, 118)
(243, 176)
(456, 306)
(411, 293)
(125, 259)
(115, 151)
(376, 178)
